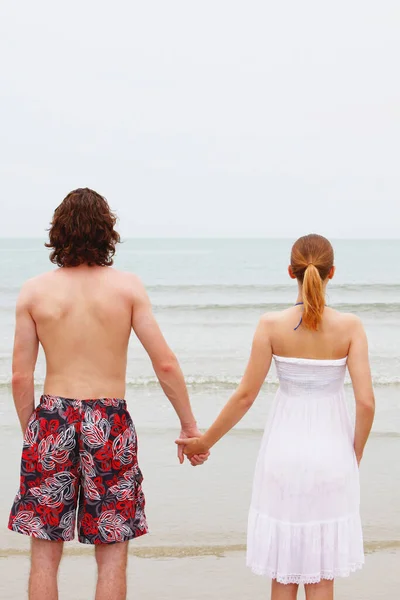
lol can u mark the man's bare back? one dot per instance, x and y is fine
(84, 317)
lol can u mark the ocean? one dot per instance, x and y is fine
(208, 295)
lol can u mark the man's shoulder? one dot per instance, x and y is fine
(128, 282)
(120, 280)
(34, 287)
(54, 274)
(126, 277)
(32, 284)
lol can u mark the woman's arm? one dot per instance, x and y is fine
(360, 373)
(243, 398)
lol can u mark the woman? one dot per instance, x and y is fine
(304, 522)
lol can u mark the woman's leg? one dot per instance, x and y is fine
(320, 591)
(283, 591)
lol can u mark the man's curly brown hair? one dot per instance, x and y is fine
(82, 231)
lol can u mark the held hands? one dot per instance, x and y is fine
(190, 433)
(194, 448)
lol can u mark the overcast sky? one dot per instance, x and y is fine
(203, 118)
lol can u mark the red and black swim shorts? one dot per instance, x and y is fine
(79, 460)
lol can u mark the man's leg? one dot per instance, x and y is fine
(45, 560)
(111, 563)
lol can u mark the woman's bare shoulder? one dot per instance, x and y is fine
(350, 321)
(272, 318)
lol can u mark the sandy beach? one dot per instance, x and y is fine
(197, 518)
(209, 577)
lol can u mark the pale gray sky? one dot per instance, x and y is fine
(206, 118)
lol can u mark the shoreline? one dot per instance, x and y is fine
(182, 550)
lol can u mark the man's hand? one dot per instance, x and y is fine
(193, 448)
(188, 432)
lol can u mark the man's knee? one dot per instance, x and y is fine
(46, 554)
(112, 556)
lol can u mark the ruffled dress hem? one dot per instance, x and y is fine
(306, 552)
(304, 579)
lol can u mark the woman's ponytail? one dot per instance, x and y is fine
(313, 297)
(311, 261)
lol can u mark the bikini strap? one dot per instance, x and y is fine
(301, 319)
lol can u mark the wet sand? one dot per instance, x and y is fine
(212, 577)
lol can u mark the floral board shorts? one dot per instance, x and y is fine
(80, 453)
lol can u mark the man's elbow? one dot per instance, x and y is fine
(21, 378)
(167, 365)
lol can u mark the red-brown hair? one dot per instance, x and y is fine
(311, 261)
(82, 231)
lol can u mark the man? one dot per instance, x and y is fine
(80, 441)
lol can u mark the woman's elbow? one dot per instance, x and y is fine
(246, 399)
(367, 404)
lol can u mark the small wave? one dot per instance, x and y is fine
(222, 381)
(152, 382)
(213, 382)
(244, 287)
(375, 307)
(233, 382)
(265, 288)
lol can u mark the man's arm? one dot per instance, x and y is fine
(26, 346)
(164, 362)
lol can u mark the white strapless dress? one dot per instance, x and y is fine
(304, 520)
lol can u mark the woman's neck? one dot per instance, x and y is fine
(300, 294)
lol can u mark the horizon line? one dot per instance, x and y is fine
(216, 237)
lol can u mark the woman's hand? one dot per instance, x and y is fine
(192, 447)
(189, 432)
